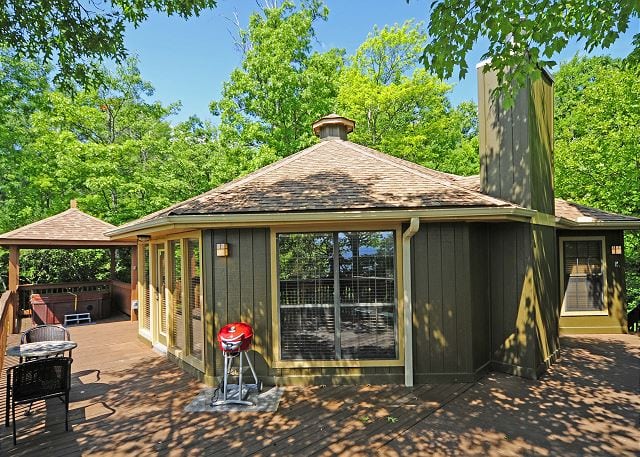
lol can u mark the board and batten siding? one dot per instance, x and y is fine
(238, 287)
(450, 321)
(523, 297)
(516, 144)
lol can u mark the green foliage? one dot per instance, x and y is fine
(400, 109)
(597, 143)
(42, 266)
(282, 86)
(523, 35)
(77, 35)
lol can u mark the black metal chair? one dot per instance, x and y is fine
(38, 380)
(45, 333)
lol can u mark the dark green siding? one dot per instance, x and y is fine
(513, 337)
(480, 310)
(448, 294)
(523, 297)
(239, 288)
(546, 280)
(516, 144)
(541, 145)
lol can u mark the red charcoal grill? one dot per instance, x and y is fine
(235, 341)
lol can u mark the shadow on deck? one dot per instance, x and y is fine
(126, 399)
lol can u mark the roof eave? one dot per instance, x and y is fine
(562, 222)
(280, 218)
(41, 243)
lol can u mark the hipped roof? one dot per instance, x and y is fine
(338, 176)
(568, 213)
(332, 175)
(70, 228)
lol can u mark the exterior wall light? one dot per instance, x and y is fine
(222, 249)
(616, 249)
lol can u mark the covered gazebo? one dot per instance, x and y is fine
(70, 229)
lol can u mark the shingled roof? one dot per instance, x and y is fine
(69, 228)
(570, 212)
(333, 175)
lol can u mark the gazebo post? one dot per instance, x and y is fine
(112, 268)
(134, 281)
(14, 282)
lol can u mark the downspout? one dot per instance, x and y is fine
(408, 307)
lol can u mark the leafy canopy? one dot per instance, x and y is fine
(597, 143)
(78, 34)
(523, 34)
(402, 110)
(282, 86)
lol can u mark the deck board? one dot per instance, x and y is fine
(126, 398)
(129, 400)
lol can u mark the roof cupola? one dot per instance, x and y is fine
(333, 126)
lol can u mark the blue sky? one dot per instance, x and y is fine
(189, 60)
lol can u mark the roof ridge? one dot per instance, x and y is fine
(382, 158)
(259, 172)
(92, 217)
(229, 185)
(249, 177)
(52, 218)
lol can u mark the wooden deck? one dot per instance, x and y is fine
(126, 399)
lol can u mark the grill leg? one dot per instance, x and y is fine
(224, 378)
(253, 372)
(240, 378)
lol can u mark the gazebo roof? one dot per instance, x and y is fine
(70, 228)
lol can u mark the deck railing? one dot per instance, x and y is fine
(6, 322)
(25, 290)
(121, 296)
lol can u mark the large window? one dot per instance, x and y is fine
(196, 334)
(145, 315)
(177, 309)
(337, 295)
(583, 276)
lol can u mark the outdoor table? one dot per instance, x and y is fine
(41, 349)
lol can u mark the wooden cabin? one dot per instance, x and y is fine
(354, 266)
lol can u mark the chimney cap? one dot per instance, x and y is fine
(333, 120)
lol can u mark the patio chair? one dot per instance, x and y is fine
(45, 333)
(38, 380)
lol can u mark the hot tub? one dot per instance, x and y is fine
(50, 307)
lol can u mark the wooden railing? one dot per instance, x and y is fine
(121, 296)
(6, 322)
(25, 290)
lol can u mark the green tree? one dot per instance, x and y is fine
(23, 87)
(79, 34)
(523, 35)
(402, 110)
(597, 143)
(281, 87)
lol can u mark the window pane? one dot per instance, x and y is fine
(365, 299)
(146, 299)
(161, 287)
(307, 320)
(584, 279)
(367, 295)
(196, 335)
(177, 332)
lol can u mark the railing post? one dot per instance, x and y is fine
(14, 281)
